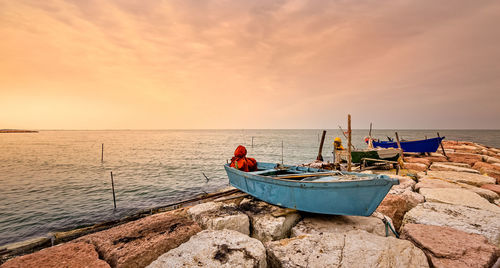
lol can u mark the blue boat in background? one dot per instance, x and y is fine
(415, 146)
(313, 190)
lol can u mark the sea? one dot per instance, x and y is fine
(60, 180)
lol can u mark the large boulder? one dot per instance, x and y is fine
(470, 220)
(446, 167)
(65, 255)
(269, 222)
(405, 184)
(448, 247)
(318, 224)
(481, 166)
(440, 158)
(453, 176)
(138, 243)
(219, 216)
(356, 248)
(490, 159)
(455, 196)
(215, 248)
(395, 207)
(454, 164)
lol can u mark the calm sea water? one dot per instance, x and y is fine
(54, 180)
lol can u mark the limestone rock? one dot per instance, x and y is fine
(453, 176)
(424, 161)
(318, 224)
(412, 198)
(467, 158)
(445, 167)
(65, 255)
(490, 159)
(433, 159)
(431, 182)
(492, 187)
(138, 243)
(447, 247)
(454, 164)
(470, 220)
(356, 248)
(269, 222)
(218, 216)
(395, 207)
(215, 248)
(486, 166)
(415, 166)
(457, 196)
(405, 184)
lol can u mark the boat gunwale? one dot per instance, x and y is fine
(387, 142)
(267, 179)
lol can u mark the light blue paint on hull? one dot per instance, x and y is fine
(333, 196)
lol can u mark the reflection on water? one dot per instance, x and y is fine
(54, 180)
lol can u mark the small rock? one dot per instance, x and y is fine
(65, 255)
(218, 216)
(269, 222)
(317, 224)
(395, 207)
(356, 248)
(455, 196)
(138, 243)
(215, 248)
(453, 176)
(415, 166)
(470, 220)
(444, 167)
(447, 247)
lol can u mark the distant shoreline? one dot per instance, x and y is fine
(17, 131)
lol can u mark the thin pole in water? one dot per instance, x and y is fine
(282, 152)
(252, 141)
(113, 187)
(102, 153)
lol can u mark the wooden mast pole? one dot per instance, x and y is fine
(320, 157)
(349, 136)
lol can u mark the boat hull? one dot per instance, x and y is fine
(359, 197)
(418, 146)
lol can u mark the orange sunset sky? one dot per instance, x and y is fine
(249, 64)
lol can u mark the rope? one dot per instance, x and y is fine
(387, 224)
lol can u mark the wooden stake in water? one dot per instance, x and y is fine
(282, 152)
(102, 153)
(349, 142)
(320, 157)
(252, 141)
(113, 187)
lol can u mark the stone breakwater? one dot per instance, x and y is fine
(446, 210)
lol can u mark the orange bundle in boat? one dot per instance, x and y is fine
(241, 162)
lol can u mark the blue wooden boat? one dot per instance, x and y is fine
(415, 146)
(313, 190)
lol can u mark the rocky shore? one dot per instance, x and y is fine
(445, 212)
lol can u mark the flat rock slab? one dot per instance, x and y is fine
(356, 248)
(445, 167)
(454, 164)
(138, 243)
(447, 247)
(219, 216)
(415, 166)
(269, 222)
(432, 182)
(318, 224)
(424, 161)
(468, 158)
(453, 176)
(65, 255)
(457, 196)
(470, 220)
(215, 248)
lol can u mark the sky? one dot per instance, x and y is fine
(172, 64)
